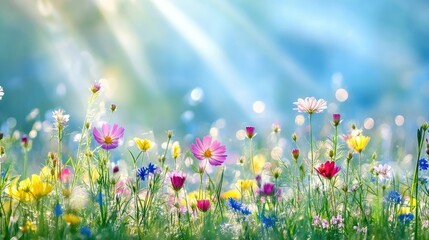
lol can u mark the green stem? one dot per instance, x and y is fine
(251, 156)
(25, 163)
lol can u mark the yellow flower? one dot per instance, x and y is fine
(235, 194)
(38, 188)
(71, 219)
(28, 226)
(21, 191)
(258, 163)
(28, 190)
(176, 150)
(143, 144)
(357, 143)
(246, 185)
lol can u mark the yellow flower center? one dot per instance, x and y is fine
(208, 153)
(108, 140)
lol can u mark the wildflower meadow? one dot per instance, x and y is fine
(320, 188)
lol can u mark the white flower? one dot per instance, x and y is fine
(60, 118)
(310, 105)
(1, 92)
(383, 172)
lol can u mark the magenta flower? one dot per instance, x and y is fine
(336, 119)
(267, 189)
(203, 205)
(213, 151)
(328, 169)
(177, 180)
(108, 138)
(66, 175)
(295, 153)
(250, 132)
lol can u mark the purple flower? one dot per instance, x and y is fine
(108, 138)
(267, 189)
(213, 151)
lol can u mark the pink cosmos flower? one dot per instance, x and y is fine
(203, 205)
(213, 151)
(108, 138)
(310, 105)
(328, 169)
(177, 179)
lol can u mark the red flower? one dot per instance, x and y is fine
(328, 169)
(177, 180)
(203, 205)
(250, 132)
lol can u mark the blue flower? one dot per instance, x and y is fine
(151, 168)
(85, 231)
(423, 180)
(268, 221)
(99, 198)
(2, 174)
(406, 217)
(238, 207)
(423, 164)
(394, 197)
(58, 211)
(142, 173)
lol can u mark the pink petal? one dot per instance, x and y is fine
(105, 129)
(207, 141)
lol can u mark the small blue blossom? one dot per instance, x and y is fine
(406, 217)
(238, 207)
(142, 173)
(268, 221)
(85, 231)
(151, 168)
(394, 197)
(58, 211)
(99, 198)
(423, 164)
(2, 174)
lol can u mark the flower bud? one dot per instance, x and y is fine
(336, 119)
(116, 169)
(113, 107)
(169, 134)
(295, 154)
(276, 128)
(1, 135)
(250, 132)
(95, 88)
(331, 153)
(277, 172)
(349, 156)
(294, 137)
(425, 126)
